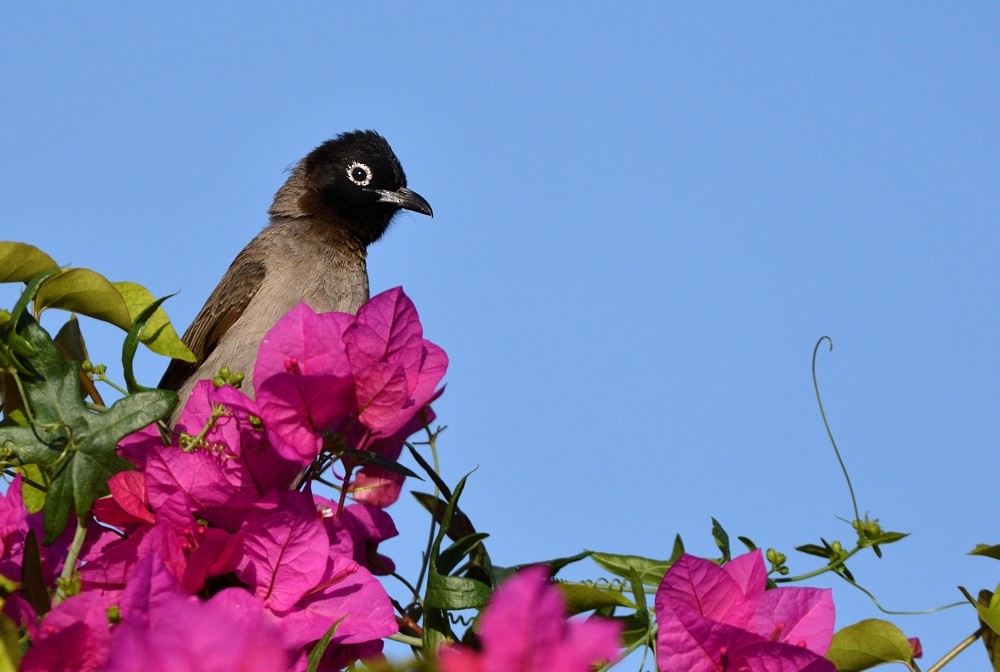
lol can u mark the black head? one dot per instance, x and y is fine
(357, 176)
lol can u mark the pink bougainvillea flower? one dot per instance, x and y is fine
(216, 504)
(13, 517)
(347, 594)
(16, 524)
(285, 551)
(128, 505)
(244, 457)
(357, 532)
(74, 636)
(524, 629)
(365, 377)
(713, 618)
(298, 567)
(303, 381)
(396, 370)
(164, 628)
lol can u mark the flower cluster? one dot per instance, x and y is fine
(211, 515)
(524, 629)
(723, 618)
(208, 557)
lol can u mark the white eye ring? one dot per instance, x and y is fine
(361, 181)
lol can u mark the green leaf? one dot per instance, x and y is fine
(33, 498)
(987, 607)
(132, 343)
(19, 262)
(813, 549)
(637, 627)
(83, 291)
(987, 551)
(554, 564)
(33, 588)
(316, 655)
(74, 444)
(721, 540)
(159, 335)
(678, 549)
(581, 598)
(452, 555)
(460, 526)
(448, 592)
(648, 570)
(867, 644)
(455, 592)
(558, 563)
(991, 640)
(70, 339)
(10, 652)
(29, 293)
(883, 538)
(373, 458)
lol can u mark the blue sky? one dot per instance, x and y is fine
(645, 217)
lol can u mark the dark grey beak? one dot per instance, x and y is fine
(405, 199)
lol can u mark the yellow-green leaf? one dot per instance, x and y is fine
(10, 650)
(581, 598)
(83, 291)
(159, 335)
(34, 499)
(986, 550)
(988, 606)
(868, 643)
(19, 262)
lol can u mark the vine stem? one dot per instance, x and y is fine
(961, 646)
(628, 650)
(822, 570)
(70, 565)
(826, 424)
(435, 472)
(406, 639)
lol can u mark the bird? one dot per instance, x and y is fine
(338, 200)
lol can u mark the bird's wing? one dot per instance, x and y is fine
(221, 310)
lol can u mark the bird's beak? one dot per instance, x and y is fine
(406, 199)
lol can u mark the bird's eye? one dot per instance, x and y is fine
(359, 174)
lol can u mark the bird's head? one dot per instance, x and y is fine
(358, 177)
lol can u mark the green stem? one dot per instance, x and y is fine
(961, 646)
(435, 476)
(107, 381)
(413, 590)
(816, 572)
(407, 639)
(627, 651)
(826, 424)
(70, 565)
(24, 397)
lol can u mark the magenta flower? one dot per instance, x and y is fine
(715, 618)
(396, 370)
(358, 532)
(291, 562)
(212, 514)
(364, 378)
(164, 628)
(524, 629)
(73, 636)
(15, 525)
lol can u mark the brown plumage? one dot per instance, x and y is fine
(338, 200)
